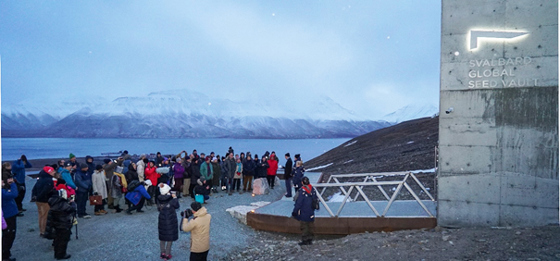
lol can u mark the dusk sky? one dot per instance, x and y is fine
(371, 57)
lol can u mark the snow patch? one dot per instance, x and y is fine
(348, 161)
(422, 171)
(240, 212)
(338, 197)
(410, 142)
(351, 143)
(319, 167)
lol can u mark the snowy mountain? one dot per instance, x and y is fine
(410, 112)
(185, 114)
(37, 113)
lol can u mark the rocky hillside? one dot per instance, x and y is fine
(406, 146)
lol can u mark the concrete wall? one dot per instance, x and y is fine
(498, 160)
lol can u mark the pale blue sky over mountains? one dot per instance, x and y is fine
(371, 57)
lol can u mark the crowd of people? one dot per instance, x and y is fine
(62, 191)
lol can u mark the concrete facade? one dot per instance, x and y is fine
(498, 158)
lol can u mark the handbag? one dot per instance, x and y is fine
(95, 200)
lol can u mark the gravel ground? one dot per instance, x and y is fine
(118, 236)
(123, 237)
(434, 244)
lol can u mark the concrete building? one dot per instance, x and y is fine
(498, 147)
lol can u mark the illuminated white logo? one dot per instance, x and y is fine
(493, 35)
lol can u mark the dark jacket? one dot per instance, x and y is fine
(9, 207)
(188, 170)
(303, 208)
(131, 174)
(83, 181)
(298, 174)
(43, 188)
(61, 212)
(195, 173)
(91, 165)
(168, 226)
(230, 166)
(288, 169)
(217, 173)
(18, 168)
(249, 168)
(261, 170)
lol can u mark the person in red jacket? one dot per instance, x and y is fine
(272, 169)
(151, 175)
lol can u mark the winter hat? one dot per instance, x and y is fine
(48, 169)
(213, 159)
(68, 164)
(207, 158)
(164, 189)
(287, 154)
(71, 156)
(98, 167)
(83, 166)
(179, 160)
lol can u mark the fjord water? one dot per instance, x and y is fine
(37, 148)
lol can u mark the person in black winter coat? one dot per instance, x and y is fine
(131, 174)
(62, 214)
(262, 166)
(288, 175)
(168, 226)
(248, 173)
(304, 211)
(195, 176)
(41, 193)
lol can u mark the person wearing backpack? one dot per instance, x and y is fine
(304, 211)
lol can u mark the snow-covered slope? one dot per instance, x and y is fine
(409, 112)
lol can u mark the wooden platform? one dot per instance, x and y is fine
(356, 217)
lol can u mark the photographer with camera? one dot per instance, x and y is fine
(199, 226)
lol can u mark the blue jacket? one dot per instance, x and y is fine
(303, 209)
(136, 195)
(9, 207)
(18, 168)
(298, 175)
(83, 181)
(67, 177)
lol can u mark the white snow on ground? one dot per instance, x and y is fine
(351, 143)
(422, 170)
(240, 212)
(410, 142)
(348, 161)
(338, 197)
(319, 167)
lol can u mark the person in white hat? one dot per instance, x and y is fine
(168, 226)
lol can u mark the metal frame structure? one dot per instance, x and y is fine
(370, 179)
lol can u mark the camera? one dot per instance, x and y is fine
(187, 213)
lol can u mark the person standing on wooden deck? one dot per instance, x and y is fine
(305, 212)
